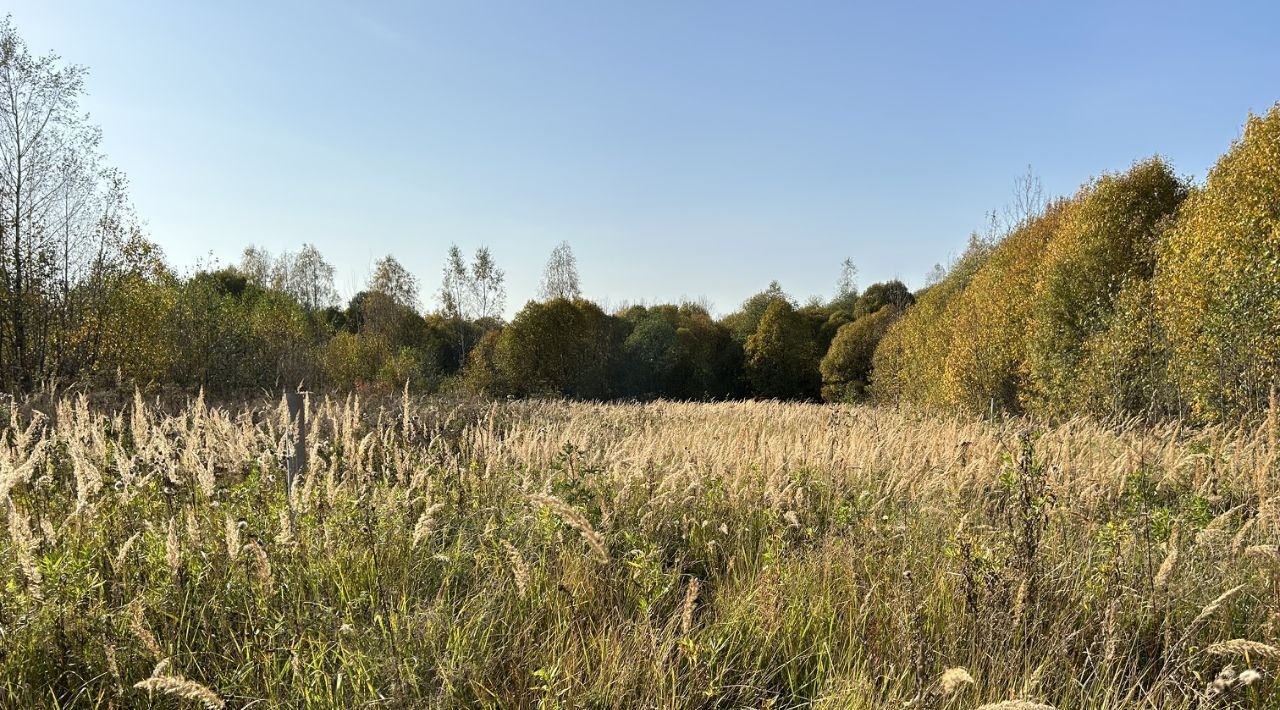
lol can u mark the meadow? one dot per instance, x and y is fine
(442, 553)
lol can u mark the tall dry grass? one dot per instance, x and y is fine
(551, 554)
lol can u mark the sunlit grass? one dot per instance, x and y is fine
(662, 555)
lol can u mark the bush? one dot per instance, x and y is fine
(984, 365)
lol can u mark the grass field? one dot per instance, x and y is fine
(548, 554)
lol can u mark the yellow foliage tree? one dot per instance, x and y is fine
(985, 367)
(1017, 325)
(908, 363)
(1106, 240)
(1218, 279)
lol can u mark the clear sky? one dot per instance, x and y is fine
(684, 149)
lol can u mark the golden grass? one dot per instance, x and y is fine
(554, 554)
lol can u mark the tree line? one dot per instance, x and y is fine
(86, 297)
(1141, 294)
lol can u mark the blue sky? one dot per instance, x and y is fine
(684, 149)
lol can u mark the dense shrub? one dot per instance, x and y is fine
(1017, 325)
(984, 364)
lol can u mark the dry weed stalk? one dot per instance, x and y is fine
(519, 568)
(231, 528)
(690, 601)
(138, 627)
(261, 565)
(173, 549)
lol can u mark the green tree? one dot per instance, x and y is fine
(481, 372)
(908, 364)
(781, 356)
(879, 295)
(558, 347)
(1108, 239)
(846, 368)
(744, 322)
(650, 353)
(984, 365)
(709, 365)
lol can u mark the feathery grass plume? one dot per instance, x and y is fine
(232, 535)
(180, 687)
(1020, 600)
(1161, 581)
(1016, 705)
(954, 679)
(1110, 627)
(261, 565)
(113, 668)
(519, 568)
(138, 420)
(1198, 622)
(1216, 529)
(426, 522)
(690, 600)
(48, 533)
(1266, 552)
(1268, 513)
(138, 627)
(285, 536)
(123, 554)
(126, 471)
(1237, 542)
(24, 547)
(193, 528)
(1212, 607)
(577, 521)
(1264, 470)
(88, 477)
(205, 478)
(404, 412)
(173, 549)
(1243, 647)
